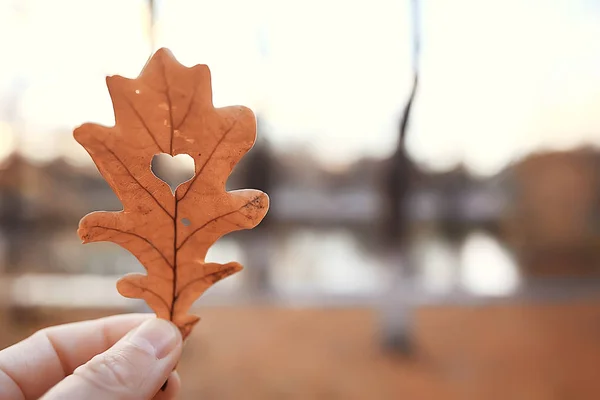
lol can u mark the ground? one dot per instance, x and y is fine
(529, 352)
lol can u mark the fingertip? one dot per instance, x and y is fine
(157, 336)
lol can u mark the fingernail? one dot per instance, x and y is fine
(156, 335)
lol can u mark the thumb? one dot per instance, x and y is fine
(134, 368)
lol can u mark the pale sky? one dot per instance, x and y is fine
(499, 78)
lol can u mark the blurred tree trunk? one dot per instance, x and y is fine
(257, 173)
(397, 184)
(397, 307)
(12, 216)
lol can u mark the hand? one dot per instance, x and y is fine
(122, 357)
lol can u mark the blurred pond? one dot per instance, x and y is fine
(302, 262)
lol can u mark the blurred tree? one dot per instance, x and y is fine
(399, 168)
(12, 218)
(152, 14)
(258, 165)
(397, 181)
(255, 171)
(397, 319)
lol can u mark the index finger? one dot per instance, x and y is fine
(31, 367)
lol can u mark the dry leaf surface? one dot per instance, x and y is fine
(168, 109)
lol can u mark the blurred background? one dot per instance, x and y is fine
(433, 168)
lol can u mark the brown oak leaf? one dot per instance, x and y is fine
(169, 109)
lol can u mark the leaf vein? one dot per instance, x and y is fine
(169, 103)
(136, 180)
(189, 109)
(143, 289)
(212, 153)
(214, 220)
(146, 127)
(138, 236)
(219, 275)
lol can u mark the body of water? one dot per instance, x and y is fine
(305, 263)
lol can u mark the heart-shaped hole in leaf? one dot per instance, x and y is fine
(173, 170)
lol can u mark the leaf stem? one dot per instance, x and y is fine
(172, 311)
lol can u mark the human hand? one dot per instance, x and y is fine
(123, 357)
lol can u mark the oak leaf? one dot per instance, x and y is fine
(168, 109)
